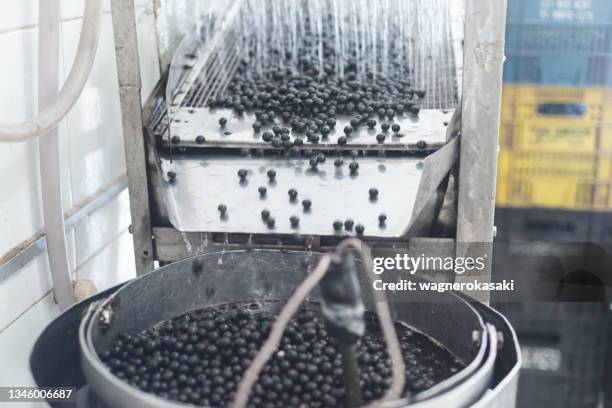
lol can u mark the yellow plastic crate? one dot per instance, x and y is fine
(554, 192)
(538, 163)
(561, 135)
(522, 101)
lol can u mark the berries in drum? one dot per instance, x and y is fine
(199, 358)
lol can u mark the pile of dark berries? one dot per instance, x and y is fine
(305, 99)
(200, 357)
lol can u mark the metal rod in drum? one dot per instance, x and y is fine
(208, 49)
(213, 82)
(350, 376)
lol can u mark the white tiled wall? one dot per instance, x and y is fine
(92, 155)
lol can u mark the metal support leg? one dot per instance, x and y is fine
(483, 57)
(128, 72)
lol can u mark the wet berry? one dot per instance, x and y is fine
(348, 224)
(270, 222)
(223, 122)
(306, 204)
(200, 139)
(337, 225)
(294, 220)
(267, 137)
(262, 191)
(359, 229)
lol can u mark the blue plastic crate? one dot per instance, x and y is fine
(560, 11)
(550, 68)
(587, 38)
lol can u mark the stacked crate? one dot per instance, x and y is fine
(556, 121)
(555, 184)
(556, 148)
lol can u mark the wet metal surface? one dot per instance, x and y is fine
(429, 126)
(202, 183)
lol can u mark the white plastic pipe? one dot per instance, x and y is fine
(55, 112)
(49, 154)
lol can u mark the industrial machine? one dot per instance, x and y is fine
(233, 217)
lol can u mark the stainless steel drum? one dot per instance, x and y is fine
(257, 275)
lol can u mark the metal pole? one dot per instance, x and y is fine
(350, 376)
(483, 56)
(128, 73)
